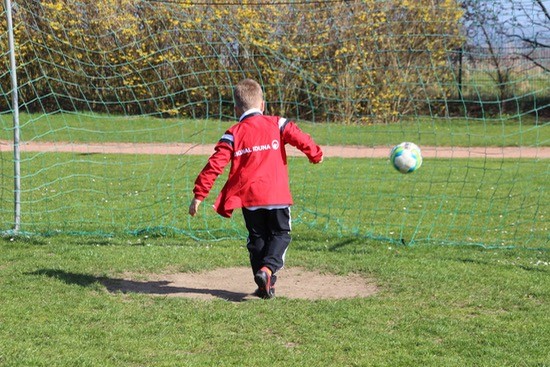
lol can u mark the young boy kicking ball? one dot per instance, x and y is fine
(258, 180)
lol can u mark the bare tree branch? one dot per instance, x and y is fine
(543, 8)
(535, 62)
(530, 41)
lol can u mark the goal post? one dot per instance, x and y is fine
(15, 112)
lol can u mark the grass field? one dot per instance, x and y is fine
(504, 131)
(522, 83)
(448, 201)
(438, 304)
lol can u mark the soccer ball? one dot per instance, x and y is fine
(406, 157)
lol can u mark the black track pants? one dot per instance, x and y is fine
(268, 237)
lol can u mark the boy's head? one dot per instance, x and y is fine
(248, 94)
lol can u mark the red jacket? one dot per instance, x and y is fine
(258, 176)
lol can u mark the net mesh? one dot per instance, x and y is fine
(121, 102)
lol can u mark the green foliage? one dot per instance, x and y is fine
(320, 61)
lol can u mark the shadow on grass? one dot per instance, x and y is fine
(489, 263)
(155, 288)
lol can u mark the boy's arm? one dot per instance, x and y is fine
(292, 135)
(206, 178)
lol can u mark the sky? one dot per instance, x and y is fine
(521, 18)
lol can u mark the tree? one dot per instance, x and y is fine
(485, 30)
(530, 25)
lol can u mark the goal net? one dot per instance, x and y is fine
(120, 103)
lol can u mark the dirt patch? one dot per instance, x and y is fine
(237, 284)
(329, 151)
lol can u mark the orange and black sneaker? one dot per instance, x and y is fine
(263, 280)
(261, 293)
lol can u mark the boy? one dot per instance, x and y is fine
(258, 180)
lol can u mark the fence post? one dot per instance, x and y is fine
(15, 108)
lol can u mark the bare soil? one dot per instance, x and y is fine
(329, 151)
(237, 285)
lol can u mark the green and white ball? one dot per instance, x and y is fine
(406, 157)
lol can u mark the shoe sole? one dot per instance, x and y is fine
(262, 280)
(260, 293)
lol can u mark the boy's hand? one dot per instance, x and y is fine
(194, 206)
(319, 161)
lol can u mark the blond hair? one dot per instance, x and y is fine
(248, 94)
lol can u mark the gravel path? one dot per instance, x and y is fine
(330, 151)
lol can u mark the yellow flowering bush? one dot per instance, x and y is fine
(353, 61)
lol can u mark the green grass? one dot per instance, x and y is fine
(437, 306)
(448, 201)
(504, 131)
(103, 216)
(521, 84)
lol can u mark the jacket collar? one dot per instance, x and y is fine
(250, 112)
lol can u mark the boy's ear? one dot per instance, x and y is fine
(262, 108)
